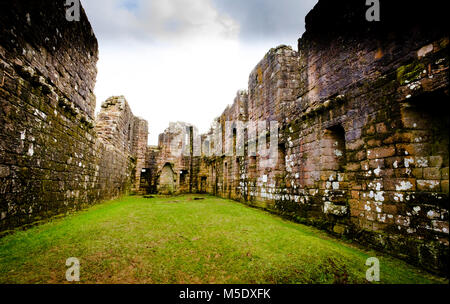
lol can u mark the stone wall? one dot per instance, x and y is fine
(363, 138)
(148, 175)
(51, 159)
(117, 125)
(371, 158)
(139, 149)
(174, 172)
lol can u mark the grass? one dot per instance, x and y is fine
(182, 240)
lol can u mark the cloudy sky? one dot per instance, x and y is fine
(184, 60)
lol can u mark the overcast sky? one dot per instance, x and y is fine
(184, 60)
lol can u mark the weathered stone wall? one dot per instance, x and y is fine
(51, 160)
(117, 125)
(174, 170)
(139, 149)
(370, 159)
(363, 138)
(148, 174)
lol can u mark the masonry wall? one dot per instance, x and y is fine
(175, 169)
(370, 159)
(116, 125)
(51, 159)
(139, 149)
(363, 138)
(148, 174)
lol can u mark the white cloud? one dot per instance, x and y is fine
(186, 19)
(174, 60)
(110, 19)
(159, 21)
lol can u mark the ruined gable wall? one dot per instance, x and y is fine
(116, 125)
(51, 160)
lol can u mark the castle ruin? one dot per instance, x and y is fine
(362, 137)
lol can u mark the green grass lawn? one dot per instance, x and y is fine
(182, 240)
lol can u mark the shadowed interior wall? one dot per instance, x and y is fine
(51, 159)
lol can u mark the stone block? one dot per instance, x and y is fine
(381, 152)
